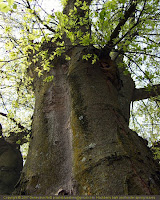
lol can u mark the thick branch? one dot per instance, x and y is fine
(123, 20)
(144, 93)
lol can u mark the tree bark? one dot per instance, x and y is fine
(11, 164)
(48, 165)
(105, 160)
(81, 142)
(144, 93)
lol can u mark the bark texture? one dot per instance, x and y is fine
(81, 142)
(144, 93)
(48, 165)
(108, 158)
(11, 164)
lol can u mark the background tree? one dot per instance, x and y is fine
(80, 136)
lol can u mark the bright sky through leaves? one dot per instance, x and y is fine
(49, 5)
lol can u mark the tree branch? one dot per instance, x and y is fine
(40, 20)
(70, 5)
(144, 93)
(122, 21)
(15, 136)
(18, 124)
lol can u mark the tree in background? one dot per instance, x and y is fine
(79, 64)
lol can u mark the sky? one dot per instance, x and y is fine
(49, 5)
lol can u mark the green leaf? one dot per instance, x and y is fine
(15, 6)
(64, 2)
(48, 79)
(10, 2)
(86, 57)
(67, 57)
(18, 142)
(4, 7)
(102, 14)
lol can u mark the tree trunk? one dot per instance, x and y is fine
(11, 164)
(81, 143)
(48, 165)
(105, 160)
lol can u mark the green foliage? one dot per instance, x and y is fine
(64, 2)
(6, 6)
(156, 152)
(48, 79)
